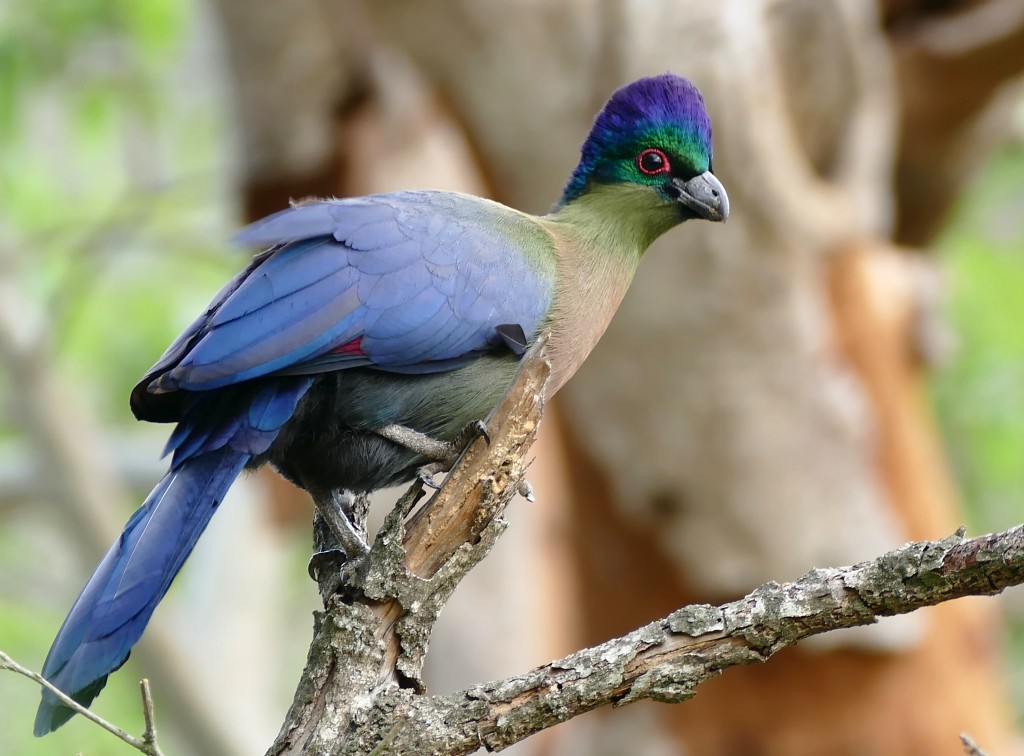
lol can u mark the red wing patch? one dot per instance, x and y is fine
(352, 348)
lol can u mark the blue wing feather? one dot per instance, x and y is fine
(419, 279)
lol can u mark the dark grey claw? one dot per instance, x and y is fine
(427, 472)
(474, 430)
(331, 559)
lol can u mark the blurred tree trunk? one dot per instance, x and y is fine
(756, 407)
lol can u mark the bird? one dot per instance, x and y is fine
(371, 332)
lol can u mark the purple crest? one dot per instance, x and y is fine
(665, 108)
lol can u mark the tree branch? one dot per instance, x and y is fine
(361, 689)
(666, 660)
(368, 648)
(970, 747)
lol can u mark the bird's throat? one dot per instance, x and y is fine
(599, 240)
(616, 219)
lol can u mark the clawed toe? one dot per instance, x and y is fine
(427, 472)
(474, 430)
(332, 570)
(331, 559)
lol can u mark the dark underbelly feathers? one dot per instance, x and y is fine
(330, 443)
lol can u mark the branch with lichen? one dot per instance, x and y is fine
(361, 690)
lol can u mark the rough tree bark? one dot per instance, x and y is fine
(361, 691)
(367, 654)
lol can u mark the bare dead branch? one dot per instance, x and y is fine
(149, 735)
(147, 744)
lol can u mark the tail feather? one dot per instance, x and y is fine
(109, 616)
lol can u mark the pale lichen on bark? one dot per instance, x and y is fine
(361, 691)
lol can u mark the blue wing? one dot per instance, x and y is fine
(407, 282)
(413, 282)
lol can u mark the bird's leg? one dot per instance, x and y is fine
(344, 513)
(339, 534)
(442, 454)
(436, 450)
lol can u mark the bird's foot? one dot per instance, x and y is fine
(443, 454)
(469, 434)
(328, 559)
(339, 540)
(427, 472)
(333, 572)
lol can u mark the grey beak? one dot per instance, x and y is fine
(704, 195)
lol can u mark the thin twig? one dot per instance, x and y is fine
(970, 747)
(150, 748)
(149, 736)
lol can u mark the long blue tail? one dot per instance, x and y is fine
(219, 432)
(113, 609)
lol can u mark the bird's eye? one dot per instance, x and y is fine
(652, 162)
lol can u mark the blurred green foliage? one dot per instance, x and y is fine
(112, 178)
(113, 183)
(979, 395)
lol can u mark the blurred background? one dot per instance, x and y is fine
(834, 372)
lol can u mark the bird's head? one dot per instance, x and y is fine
(654, 134)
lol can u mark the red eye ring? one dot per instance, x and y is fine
(652, 162)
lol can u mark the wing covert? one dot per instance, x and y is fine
(410, 282)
